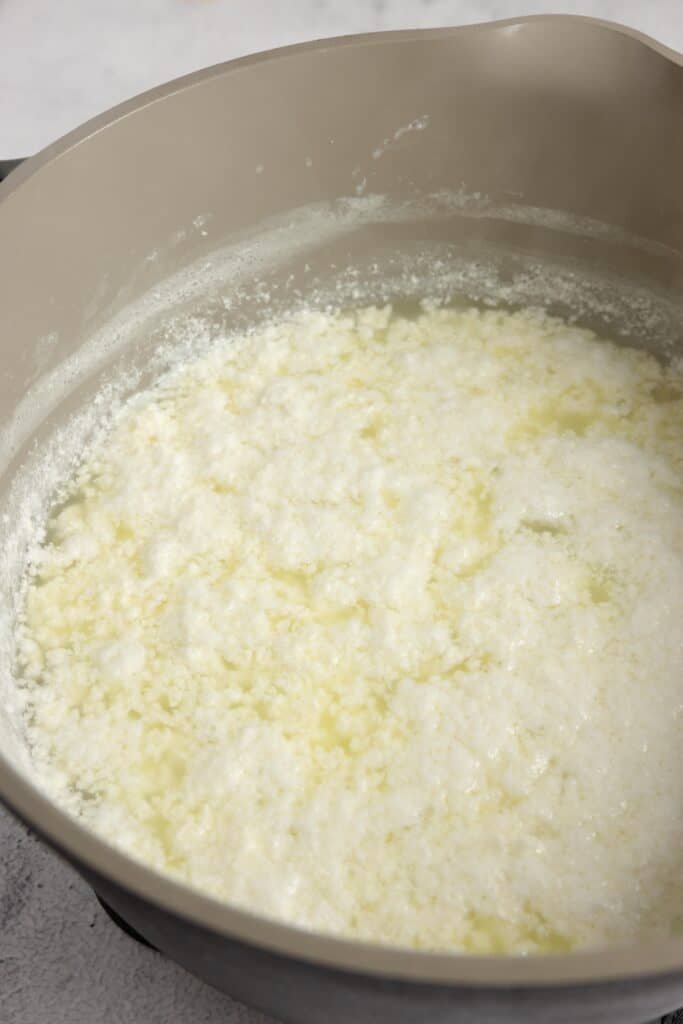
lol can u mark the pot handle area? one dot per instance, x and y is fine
(7, 166)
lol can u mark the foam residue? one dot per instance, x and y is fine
(418, 124)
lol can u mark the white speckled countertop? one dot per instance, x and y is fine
(62, 62)
(61, 960)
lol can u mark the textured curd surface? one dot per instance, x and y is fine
(373, 624)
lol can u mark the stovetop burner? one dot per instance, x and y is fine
(123, 925)
(671, 1018)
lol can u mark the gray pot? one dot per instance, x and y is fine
(537, 115)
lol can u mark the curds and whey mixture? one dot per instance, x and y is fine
(372, 624)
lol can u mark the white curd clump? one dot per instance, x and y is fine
(373, 624)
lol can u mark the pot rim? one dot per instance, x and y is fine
(96, 856)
